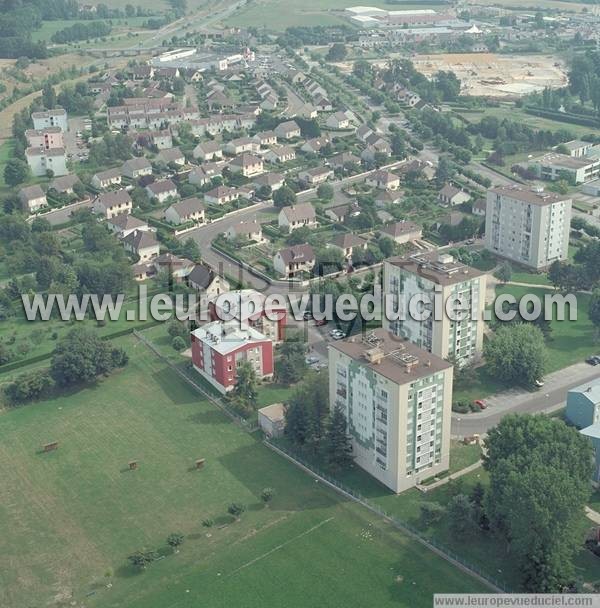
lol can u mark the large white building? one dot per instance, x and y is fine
(526, 226)
(42, 161)
(432, 275)
(397, 401)
(50, 118)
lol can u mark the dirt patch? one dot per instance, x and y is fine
(492, 75)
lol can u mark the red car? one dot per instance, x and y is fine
(480, 404)
(320, 322)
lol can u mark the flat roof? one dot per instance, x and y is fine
(390, 356)
(442, 268)
(227, 336)
(530, 196)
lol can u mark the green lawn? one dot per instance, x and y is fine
(530, 277)
(68, 519)
(462, 456)
(511, 112)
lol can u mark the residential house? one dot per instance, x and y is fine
(316, 176)
(188, 210)
(209, 283)
(287, 130)
(105, 179)
(450, 196)
(322, 104)
(142, 244)
(383, 180)
(171, 156)
(342, 213)
(266, 138)
(242, 144)
(136, 167)
(342, 160)
(272, 180)
(110, 204)
(124, 224)
(297, 216)
(247, 164)
(314, 145)
(280, 154)
(403, 232)
(479, 206)
(208, 150)
(291, 261)
(383, 198)
(251, 230)
(338, 120)
(175, 267)
(64, 184)
(32, 198)
(199, 176)
(220, 195)
(348, 243)
(162, 190)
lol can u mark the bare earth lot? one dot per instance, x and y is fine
(493, 75)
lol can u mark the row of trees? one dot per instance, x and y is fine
(82, 31)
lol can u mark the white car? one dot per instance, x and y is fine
(337, 334)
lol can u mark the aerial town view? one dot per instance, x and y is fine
(299, 303)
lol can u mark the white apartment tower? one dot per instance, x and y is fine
(438, 278)
(526, 226)
(397, 400)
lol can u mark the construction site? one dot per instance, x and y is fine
(493, 75)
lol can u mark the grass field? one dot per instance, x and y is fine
(69, 518)
(510, 112)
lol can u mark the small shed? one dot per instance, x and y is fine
(271, 419)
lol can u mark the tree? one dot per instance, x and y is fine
(142, 558)
(28, 386)
(516, 354)
(16, 171)
(460, 516)
(431, 513)
(267, 495)
(540, 472)
(337, 442)
(504, 272)
(174, 540)
(307, 411)
(236, 509)
(178, 343)
(284, 197)
(325, 192)
(337, 52)
(81, 356)
(594, 309)
(48, 97)
(245, 392)
(290, 367)
(443, 172)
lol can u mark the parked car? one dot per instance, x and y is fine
(307, 315)
(312, 359)
(539, 383)
(593, 360)
(480, 404)
(320, 322)
(337, 334)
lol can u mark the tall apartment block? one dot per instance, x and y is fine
(530, 227)
(434, 275)
(397, 400)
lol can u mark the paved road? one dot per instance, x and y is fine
(552, 396)
(60, 216)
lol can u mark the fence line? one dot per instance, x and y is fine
(411, 531)
(244, 424)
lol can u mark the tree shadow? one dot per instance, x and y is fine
(128, 571)
(209, 416)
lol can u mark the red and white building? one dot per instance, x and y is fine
(251, 307)
(220, 347)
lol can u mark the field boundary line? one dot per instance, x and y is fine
(397, 524)
(281, 546)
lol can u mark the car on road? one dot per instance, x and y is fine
(320, 322)
(470, 242)
(307, 316)
(593, 360)
(539, 383)
(480, 403)
(337, 334)
(312, 359)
